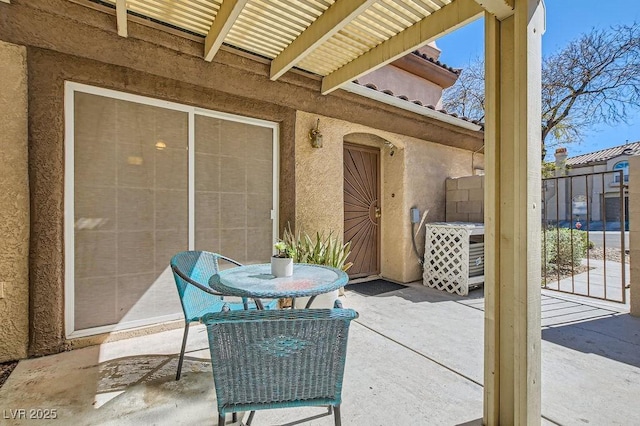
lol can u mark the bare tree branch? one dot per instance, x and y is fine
(595, 79)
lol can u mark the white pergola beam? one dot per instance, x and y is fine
(501, 9)
(439, 23)
(335, 18)
(121, 17)
(222, 23)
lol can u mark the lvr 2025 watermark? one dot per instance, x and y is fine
(30, 414)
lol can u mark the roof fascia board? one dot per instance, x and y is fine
(409, 106)
(222, 24)
(441, 22)
(335, 18)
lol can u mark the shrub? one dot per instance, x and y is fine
(323, 250)
(557, 248)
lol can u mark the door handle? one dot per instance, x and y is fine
(378, 213)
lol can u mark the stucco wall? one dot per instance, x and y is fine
(155, 63)
(404, 83)
(413, 177)
(47, 73)
(14, 204)
(427, 167)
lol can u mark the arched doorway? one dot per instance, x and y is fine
(362, 208)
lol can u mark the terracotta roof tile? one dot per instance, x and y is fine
(435, 61)
(603, 155)
(417, 102)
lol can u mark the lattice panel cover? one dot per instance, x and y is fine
(446, 259)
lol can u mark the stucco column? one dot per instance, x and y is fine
(512, 215)
(14, 204)
(634, 234)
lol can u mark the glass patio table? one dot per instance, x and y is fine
(257, 282)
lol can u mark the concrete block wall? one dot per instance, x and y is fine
(465, 199)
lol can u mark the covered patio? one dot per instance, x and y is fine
(415, 357)
(239, 64)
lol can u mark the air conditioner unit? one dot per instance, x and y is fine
(454, 256)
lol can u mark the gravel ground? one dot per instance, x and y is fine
(612, 254)
(5, 370)
(552, 274)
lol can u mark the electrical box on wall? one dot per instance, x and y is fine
(415, 215)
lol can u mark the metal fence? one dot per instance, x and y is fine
(584, 219)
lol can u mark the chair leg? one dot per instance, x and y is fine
(184, 345)
(250, 419)
(221, 419)
(336, 415)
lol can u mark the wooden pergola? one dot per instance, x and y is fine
(340, 40)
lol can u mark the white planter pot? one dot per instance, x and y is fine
(281, 266)
(322, 301)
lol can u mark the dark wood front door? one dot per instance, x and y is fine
(362, 208)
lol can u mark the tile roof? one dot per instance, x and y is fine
(434, 61)
(603, 155)
(418, 102)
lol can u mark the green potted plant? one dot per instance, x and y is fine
(322, 249)
(282, 262)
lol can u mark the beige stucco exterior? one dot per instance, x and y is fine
(78, 35)
(153, 63)
(14, 204)
(413, 177)
(405, 83)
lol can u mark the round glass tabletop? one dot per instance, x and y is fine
(257, 281)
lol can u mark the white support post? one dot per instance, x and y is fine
(512, 392)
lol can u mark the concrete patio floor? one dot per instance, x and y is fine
(415, 358)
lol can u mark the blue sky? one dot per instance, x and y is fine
(566, 20)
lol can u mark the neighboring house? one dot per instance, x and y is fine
(126, 150)
(593, 193)
(418, 76)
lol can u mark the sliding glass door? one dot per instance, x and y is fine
(146, 179)
(234, 190)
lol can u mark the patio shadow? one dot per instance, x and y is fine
(615, 337)
(476, 422)
(417, 293)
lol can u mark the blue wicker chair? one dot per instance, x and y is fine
(278, 359)
(190, 270)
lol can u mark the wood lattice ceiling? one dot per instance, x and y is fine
(339, 40)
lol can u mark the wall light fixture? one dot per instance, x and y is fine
(316, 136)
